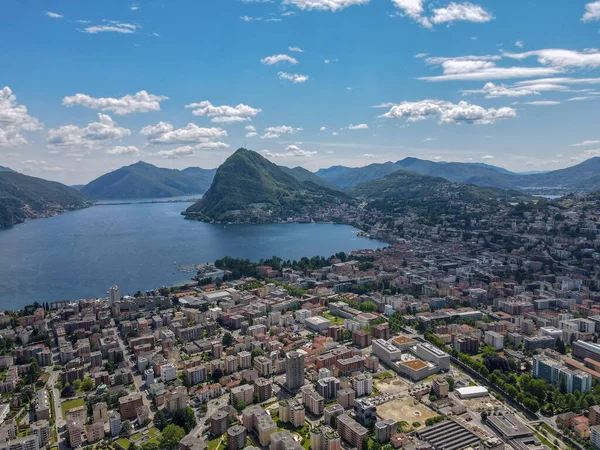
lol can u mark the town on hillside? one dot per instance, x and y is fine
(476, 329)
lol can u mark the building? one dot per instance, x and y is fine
(41, 429)
(244, 360)
(24, 443)
(114, 294)
(384, 430)
(284, 440)
(361, 338)
(595, 436)
(494, 339)
(346, 397)
(449, 435)
(331, 412)
(128, 406)
(114, 421)
(536, 342)
(219, 423)
(168, 372)
(594, 415)
(365, 411)
(317, 323)
(440, 387)
(42, 405)
(290, 411)
(509, 426)
(176, 399)
(328, 387)
(313, 401)
(294, 371)
(256, 419)
(324, 438)
(472, 392)
(263, 366)
(263, 388)
(362, 384)
(557, 374)
(583, 350)
(100, 412)
(351, 431)
(74, 431)
(94, 432)
(243, 393)
(346, 366)
(236, 437)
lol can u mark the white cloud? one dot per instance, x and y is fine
(140, 102)
(224, 114)
(519, 44)
(334, 133)
(421, 55)
(112, 26)
(483, 68)
(134, 7)
(251, 134)
(542, 103)
(293, 77)
(592, 11)
(369, 155)
(324, 5)
(290, 150)
(274, 19)
(558, 80)
(41, 165)
(461, 12)
(413, 9)
(492, 90)
(429, 139)
(175, 153)
(295, 49)
(93, 135)
(586, 143)
(53, 15)
(250, 128)
(448, 112)
(14, 119)
(276, 59)
(488, 157)
(129, 150)
(251, 19)
(276, 132)
(323, 129)
(165, 134)
(561, 58)
(362, 126)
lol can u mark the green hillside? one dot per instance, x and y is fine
(24, 197)
(247, 182)
(143, 180)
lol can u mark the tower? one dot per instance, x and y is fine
(294, 371)
(115, 294)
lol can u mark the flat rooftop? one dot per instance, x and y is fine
(415, 364)
(404, 340)
(509, 426)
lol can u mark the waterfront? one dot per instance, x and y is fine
(137, 246)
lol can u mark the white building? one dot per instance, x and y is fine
(494, 339)
(362, 384)
(114, 420)
(115, 294)
(168, 372)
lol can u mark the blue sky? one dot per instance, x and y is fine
(91, 86)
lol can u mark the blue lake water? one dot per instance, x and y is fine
(137, 246)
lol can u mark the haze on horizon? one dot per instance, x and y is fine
(87, 88)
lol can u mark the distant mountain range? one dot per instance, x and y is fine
(143, 180)
(5, 169)
(582, 177)
(247, 183)
(24, 197)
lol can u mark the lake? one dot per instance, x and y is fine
(137, 246)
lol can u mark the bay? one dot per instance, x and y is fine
(138, 246)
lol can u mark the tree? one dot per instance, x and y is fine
(149, 446)
(88, 384)
(560, 346)
(227, 340)
(256, 352)
(185, 418)
(484, 416)
(240, 406)
(67, 391)
(77, 384)
(125, 428)
(365, 443)
(217, 374)
(160, 420)
(170, 437)
(450, 381)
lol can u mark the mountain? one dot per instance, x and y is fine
(344, 177)
(249, 187)
(582, 177)
(78, 187)
(5, 169)
(301, 174)
(24, 197)
(429, 196)
(143, 180)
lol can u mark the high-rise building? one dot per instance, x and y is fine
(294, 371)
(115, 294)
